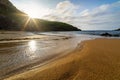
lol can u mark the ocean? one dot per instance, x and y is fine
(89, 32)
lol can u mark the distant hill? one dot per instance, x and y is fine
(118, 29)
(13, 19)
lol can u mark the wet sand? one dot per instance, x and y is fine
(20, 55)
(97, 59)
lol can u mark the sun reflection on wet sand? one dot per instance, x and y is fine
(32, 46)
(32, 49)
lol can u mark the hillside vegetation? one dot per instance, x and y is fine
(13, 19)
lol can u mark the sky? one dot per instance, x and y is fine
(84, 14)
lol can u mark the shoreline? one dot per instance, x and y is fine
(39, 63)
(67, 67)
(47, 62)
(18, 36)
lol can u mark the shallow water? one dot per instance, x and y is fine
(94, 32)
(18, 56)
(21, 55)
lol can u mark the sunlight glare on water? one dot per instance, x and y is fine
(32, 46)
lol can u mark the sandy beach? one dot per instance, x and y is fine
(59, 40)
(97, 59)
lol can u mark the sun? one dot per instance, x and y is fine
(35, 11)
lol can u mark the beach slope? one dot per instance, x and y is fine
(97, 59)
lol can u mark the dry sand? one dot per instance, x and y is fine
(97, 60)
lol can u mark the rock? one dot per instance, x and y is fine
(106, 34)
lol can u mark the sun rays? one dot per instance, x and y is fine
(30, 22)
(26, 23)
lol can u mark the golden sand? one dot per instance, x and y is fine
(97, 60)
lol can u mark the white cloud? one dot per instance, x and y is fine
(65, 8)
(63, 11)
(103, 17)
(106, 16)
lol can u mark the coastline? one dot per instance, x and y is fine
(19, 36)
(21, 55)
(97, 59)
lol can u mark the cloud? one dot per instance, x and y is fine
(106, 16)
(65, 8)
(63, 11)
